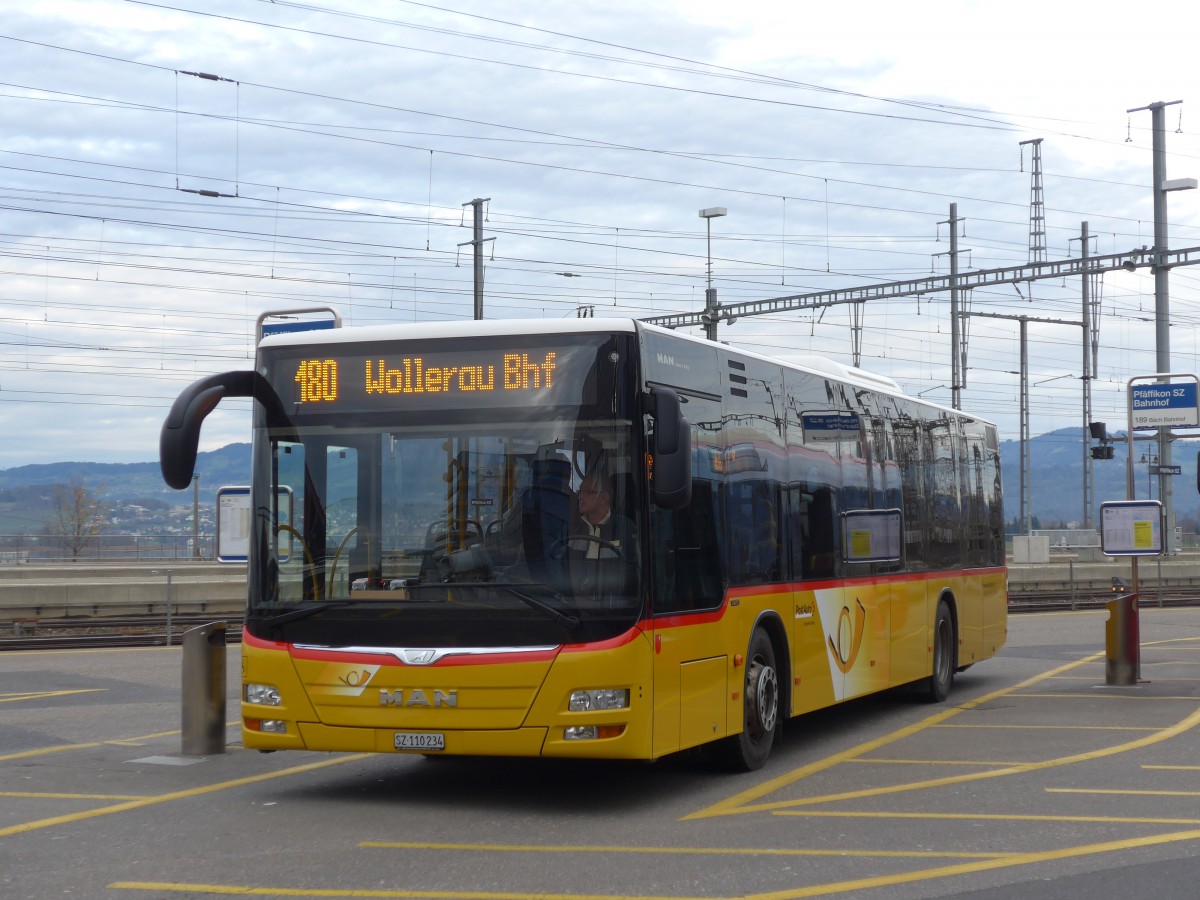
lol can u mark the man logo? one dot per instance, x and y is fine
(418, 697)
(419, 657)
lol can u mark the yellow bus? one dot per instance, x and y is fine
(592, 538)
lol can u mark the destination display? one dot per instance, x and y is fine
(830, 426)
(326, 379)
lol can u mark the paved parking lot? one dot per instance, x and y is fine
(1036, 779)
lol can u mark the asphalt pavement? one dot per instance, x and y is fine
(1035, 780)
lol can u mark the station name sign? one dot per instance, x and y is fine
(1163, 405)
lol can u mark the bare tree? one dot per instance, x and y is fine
(79, 515)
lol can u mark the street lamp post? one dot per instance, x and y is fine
(195, 517)
(1162, 316)
(1151, 462)
(711, 306)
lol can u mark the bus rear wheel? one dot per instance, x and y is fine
(749, 750)
(937, 688)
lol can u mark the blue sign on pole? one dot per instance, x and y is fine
(1163, 405)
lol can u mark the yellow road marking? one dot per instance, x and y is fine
(740, 802)
(880, 761)
(971, 868)
(43, 751)
(677, 851)
(1175, 730)
(1051, 727)
(1185, 649)
(34, 795)
(817, 890)
(1141, 698)
(247, 891)
(63, 748)
(1174, 768)
(1122, 792)
(44, 695)
(174, 795)
(998, 817)
(977, 865)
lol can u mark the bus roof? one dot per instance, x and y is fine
(408, 331)
(458, 328)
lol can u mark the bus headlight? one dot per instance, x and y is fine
(599, 699)
(261, 694)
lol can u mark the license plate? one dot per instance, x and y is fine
(420, 740)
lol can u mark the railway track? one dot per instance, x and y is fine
(108, 632)
(1065, 599)
(154, 631)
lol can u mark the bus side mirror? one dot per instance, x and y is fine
(180, 436)
(671, 449)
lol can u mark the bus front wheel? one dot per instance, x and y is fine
(749, 750)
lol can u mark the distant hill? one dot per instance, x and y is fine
(1056, 480)
(26, 492)
(125, 481)
(139, 499)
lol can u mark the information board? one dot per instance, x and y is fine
(233, 524)
(1131, 528)
(871, 535)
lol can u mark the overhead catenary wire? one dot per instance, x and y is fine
(743, 268)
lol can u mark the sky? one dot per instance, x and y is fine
(345, 141)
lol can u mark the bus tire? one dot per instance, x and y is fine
(748, 751)
(937, 687)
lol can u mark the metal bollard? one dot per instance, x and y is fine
(1121, 641)
(204, 690)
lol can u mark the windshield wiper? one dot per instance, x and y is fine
(296, 615)
(556, 614)
(553, 612)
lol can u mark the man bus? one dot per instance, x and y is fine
(421, 580)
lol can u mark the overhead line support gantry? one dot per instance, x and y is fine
(1144, 257)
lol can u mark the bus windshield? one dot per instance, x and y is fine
(475, 522)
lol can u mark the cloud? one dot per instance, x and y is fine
(345, 144)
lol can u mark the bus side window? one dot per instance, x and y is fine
(753, 534)
(764, 558)
(817, 538)
(687, 565)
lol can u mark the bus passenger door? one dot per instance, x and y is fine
(817, 599)
(690, 660)
(910, 630)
